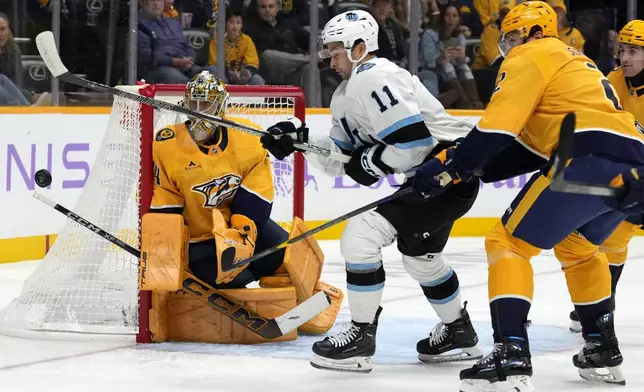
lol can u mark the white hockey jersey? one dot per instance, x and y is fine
(384, 104)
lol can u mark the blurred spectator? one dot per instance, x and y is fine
(169, 11)
(567, 33)
(452, 63)
(488, 60)
(164, 55)
(11, 70)
(242, 61)
(431, 13)
(282, 45)
(195, 13)
(391, 42)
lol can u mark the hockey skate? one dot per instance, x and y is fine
(348, 351)
(600, 359)
(454, 341)
(508, 368)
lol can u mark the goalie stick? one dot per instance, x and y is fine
(228, 256)
(268, 328)
(47, 49)
(563, 154)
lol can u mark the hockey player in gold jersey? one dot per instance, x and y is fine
(220, 182)
(628, 82)
(540, 81)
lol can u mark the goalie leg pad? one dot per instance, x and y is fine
(303, 260)
(178, 316)
(164, 250)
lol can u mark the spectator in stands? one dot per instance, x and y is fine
(11, 71)
(567, 33)
(391, 41)
(164, 55)
(242, 61)
(453, 66)
(169, 11)
(488, 60)
(282, 45)
(196, 13)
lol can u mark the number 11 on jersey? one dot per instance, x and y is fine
(392, 101)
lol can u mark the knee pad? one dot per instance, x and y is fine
(364, 237)
(616, 245)
(428, 269)
(587, 274)
(509, 270)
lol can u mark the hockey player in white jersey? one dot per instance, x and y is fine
(388, 123)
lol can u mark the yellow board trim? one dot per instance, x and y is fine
(35, 248)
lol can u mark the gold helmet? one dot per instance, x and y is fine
(632, 33)
(522, 20)
(205, 93)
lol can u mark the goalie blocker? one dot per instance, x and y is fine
(176, 316)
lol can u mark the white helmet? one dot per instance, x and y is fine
(349, 27)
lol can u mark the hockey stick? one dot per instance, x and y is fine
(563, 154)
(267, 328)
(49, 53)
(227, 258)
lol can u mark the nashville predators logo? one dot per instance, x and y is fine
(217, 190)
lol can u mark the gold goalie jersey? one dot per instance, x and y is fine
(233, 174)
(543, 80)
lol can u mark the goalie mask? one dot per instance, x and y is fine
(207, 94)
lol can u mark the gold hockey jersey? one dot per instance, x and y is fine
(233, 174)
(631, 98)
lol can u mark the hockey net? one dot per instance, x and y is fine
(87, 287)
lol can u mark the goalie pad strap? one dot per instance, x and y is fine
(164, 251)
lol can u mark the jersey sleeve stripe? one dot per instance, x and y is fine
(251, 206)
(416, 118)
(502, 132)
(255, 193)
(167, 209)
(346, 147)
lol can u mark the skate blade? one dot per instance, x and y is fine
(466, 354)
(608, 375)
(575, 326)
(349, 365)
(511, 384)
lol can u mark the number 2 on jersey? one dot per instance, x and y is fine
(608, 88)
(392, 101)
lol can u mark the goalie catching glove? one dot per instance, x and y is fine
(238, 239)
(279, 139)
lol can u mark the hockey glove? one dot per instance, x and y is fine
(632, 201)
(435, 175)
(279, 139)
(365, 166)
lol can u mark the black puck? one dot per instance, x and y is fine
(43, 178)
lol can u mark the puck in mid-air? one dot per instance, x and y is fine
(43, 178)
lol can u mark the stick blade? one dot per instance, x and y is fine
(564, 149)
(47, 49)
(302, 313)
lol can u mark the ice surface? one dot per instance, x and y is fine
(40, 365)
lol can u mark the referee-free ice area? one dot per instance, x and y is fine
(40, 365)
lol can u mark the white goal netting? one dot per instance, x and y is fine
(86, 286)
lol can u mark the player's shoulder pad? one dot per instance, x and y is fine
(164, 134)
